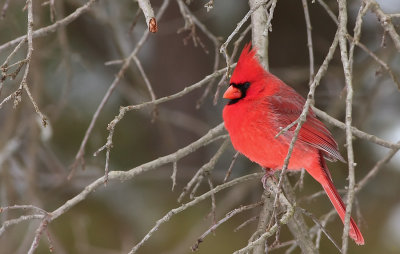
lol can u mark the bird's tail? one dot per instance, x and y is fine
(337, 202)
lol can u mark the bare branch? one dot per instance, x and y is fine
(183, 207)
(127, 175)
(263, 218)
(319, 224)
(297, 225)
(247, 222)
(362, 46)
(224, 45)
(148, 84)
(376, 168)
(23, 207)
(309, 39)
(271, 231)
(124, 176)
(386, 22)
(52, 8)
(124, 110)
(79, 157)
(20, 219)
(38, 234)
(52, 28)
(149, 15)
(223, 220)
(206, 168)
(174, 171)
(190, 21)
(346, 62)
(4, 9)
(229, 171)
(260, 28)
(356, 132)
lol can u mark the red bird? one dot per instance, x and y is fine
(260, 105)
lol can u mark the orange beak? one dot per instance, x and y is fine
(232, 93)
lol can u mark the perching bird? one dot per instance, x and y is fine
(259, 106)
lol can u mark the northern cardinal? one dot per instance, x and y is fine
(259, 106)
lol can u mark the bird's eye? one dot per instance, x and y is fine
(246, 85)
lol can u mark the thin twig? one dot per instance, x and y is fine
(148, 84)
(190, 21)
(319, 224)
(362, 46)
(213, 211)
(235, 51)
(79, 157)
(228, 216)
(23, 207)
(208, 138)
(376, 168)
(247, 222)
(18, 220)
(206, 168)
(19, 45)
(223, 48)
(183, 207)
(123, 110)
(52, 8)
(309, 39)
(127, 175)
(356, 132)
(385, 21)
(38, 234)
(272, 230)
(52, 28)
(229, 171)
(263, 217)
(4, 9)
(174, 171)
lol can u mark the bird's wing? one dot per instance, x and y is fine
(286, 107)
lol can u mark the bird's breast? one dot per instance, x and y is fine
(253, 132)
(253, 135)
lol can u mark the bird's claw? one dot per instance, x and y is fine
(268, 173)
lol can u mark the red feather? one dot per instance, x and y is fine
(260, 106)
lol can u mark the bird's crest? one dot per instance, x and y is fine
(248, 67)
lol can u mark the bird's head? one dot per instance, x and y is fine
(245, 80)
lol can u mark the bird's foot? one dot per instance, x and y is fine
(268, 173)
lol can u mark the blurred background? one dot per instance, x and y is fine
(69, 77)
